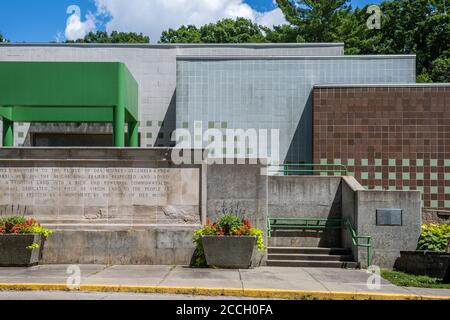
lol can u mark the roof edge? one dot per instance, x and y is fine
(287, 57)
(384, 85)
(176, 45)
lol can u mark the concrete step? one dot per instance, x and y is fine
(309, 257)
(312, 264)
(309, 250)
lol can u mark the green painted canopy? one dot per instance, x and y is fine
(69, 92)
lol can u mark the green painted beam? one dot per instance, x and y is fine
(62, 114)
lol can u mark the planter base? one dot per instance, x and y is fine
(14, 252)
(233, 252)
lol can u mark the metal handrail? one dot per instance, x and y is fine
(342, 224)
(287, 168)
(356, 238)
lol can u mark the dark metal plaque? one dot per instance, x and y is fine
(389, 217)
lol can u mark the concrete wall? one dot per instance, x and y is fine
(305, 196)
(240, 189)
(388, 241)
(349, 209)
(154, 68)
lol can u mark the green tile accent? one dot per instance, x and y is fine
(351, 162)
(433, 163)
(210, 124)
(392, 162)
(447, 162)
(224, 125)
(405, 188)
(185, 125)
(405, 162)
(447, 190)
(350, 174)
(433, 204)
(392, 176)
(197, 124)
(323, 161)
(433, 176)
(419, 176)
(378, 175)
(392, 188)
(378, 188)
(447, 176)
(405, 176)
(419, 189)
(337, 161)
(337, 174)
(364, 175)
(434, 190)
(419, 162)
(447, 204)
(364, 162)
(323, 174)
(378, 162)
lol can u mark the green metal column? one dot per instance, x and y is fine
(8, 133)
(133, 134)
(119, 126)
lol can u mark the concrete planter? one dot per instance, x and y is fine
(425, 263)
(14, 252)
(229, 251)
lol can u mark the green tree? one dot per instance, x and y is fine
(239, 30)
(420, 27)
(315, 20)
(114, 37)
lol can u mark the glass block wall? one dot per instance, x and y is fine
(273, 93)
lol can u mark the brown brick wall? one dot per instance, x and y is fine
(389, 137)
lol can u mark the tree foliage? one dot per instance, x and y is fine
(114, 37)
(239, 30)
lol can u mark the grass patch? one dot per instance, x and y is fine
(409, 280)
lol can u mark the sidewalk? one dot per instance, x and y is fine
(272, 282)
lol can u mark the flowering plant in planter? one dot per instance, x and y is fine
(226, 225)
(22, 225)
(21, 241)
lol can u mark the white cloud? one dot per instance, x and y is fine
(75, 28)
(151, 17)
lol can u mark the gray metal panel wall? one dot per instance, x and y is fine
(273, 92)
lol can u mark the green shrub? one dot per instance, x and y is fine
(434, 237)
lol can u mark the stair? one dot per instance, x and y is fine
(310, 257)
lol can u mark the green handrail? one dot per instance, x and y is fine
(356, 238)
(315, 223)
(286, 168)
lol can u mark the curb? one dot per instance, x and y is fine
(232, 292)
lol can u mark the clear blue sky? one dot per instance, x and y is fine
(43, 20)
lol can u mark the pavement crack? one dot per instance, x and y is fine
(240, 279)
(166, 275)
(317, 280)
